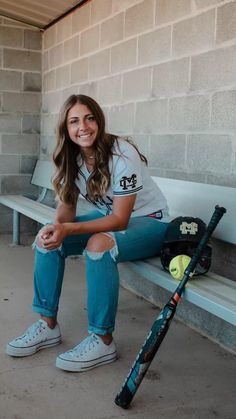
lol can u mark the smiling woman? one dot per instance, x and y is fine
(128, 222)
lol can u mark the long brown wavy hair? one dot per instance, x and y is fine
(66, 154)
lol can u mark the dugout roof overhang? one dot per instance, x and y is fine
(40, 14)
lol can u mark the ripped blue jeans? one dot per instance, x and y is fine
(142, 239)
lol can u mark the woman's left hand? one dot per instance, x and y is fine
(51, 236)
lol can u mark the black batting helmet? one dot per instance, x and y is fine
(182, 237)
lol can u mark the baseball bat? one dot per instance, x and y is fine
(162, 323)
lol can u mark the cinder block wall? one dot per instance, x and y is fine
(20, 99)
(164, 72)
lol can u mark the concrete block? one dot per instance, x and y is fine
(224, 180)
(31, 124)
(81, 18)
(6, 217)
(183, 175)
(214, 69)
(139, 18)
(10, 123)
(9, 164)
(209, 153)
(17, 184)
(27, 164)
(71, 49)
(169, 10)
(49, 81)
(1, 63)
(79, 70)
(189, 113)
(89, 40)
(47, 145)
(123, 56)
(48, 124)
(64, 28)
(22, 60)
(109, 90)
(167, 151)
(27, 144)
(49, 37)
(194, 34)
(89, 89)
(154, 46)
(45, 61)
(11, 22)
(65, 93)
(100, 10)
(112, 30)
(200, 4)
(137, 84)
(156, 171)
(62, 76)
(52, 101)
(142, 142)
(223, 110)
(21, 102)
(151, 116)
(117, 6)
(56, 56)
(11, 37)
(32, 82)
(10, 80)
(121, 119)
(226, 22)
(106, 110)
(33, 39)
(99, 64)
(171, 78)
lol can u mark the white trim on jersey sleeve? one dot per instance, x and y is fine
(127, 178)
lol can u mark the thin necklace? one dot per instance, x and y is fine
(86, 158)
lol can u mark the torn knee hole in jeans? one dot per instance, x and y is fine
(98, 255)
(35, 245)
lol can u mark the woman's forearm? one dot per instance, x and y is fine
(64, 213)
(117, 221)
(108, 223)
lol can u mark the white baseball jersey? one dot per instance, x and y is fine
(129, 175)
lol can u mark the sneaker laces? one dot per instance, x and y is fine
(34, 330)
(86, 345)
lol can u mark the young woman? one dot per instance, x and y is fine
(129, 221)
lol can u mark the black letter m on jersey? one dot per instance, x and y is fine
(128, 182)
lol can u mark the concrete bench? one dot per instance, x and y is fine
(34, 209)
(213, 293)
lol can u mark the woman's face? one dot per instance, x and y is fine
(82, 127)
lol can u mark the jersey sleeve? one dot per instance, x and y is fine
(127, 178)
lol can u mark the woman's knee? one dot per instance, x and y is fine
(38, 242)
(100, 242)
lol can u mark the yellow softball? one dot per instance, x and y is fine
(178, 265)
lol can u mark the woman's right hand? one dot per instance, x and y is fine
(51, 236)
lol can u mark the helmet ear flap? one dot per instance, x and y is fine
(166, 257)
(182, 237)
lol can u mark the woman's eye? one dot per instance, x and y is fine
(91, 118)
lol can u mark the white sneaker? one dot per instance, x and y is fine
(37, 336)
(90, 353)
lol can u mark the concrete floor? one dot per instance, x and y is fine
(190, 377)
